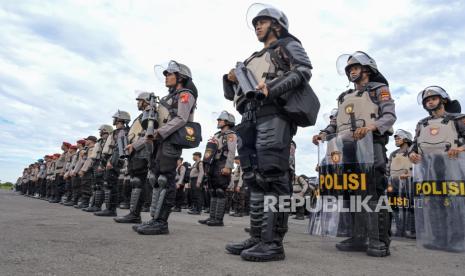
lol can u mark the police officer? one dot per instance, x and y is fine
(52, 177)
(113, 155)
(180, 185)
(76, 179)
(399, 170)
(239, 189)
(265, 132)
(42, 176)
(98, 170)
(137, 163)
(220, 167)
(196, 180)
(370, 101)
(67, 199)
(441, 133)
(86, 173)
(175, 110)
(299, 188)
(58, 185)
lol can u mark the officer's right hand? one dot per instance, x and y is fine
(109, 166)
(415, 157)
(129, 148)
(232, 76)
(316, 139)
(238, 189)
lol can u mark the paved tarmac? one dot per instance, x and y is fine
(39, 238)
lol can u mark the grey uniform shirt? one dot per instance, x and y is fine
(230, 138)
(87, 159)
(381, 96)
(299, 185)
(236, 178)
(186, 102)
(197, 172)
(180, 172)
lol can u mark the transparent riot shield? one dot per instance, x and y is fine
(439, 186)
(400, 194)
(345, 174)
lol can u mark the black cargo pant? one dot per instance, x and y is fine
(264, 151)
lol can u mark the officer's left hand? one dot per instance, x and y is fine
(226, 171)
(454, 152)
(363, 131)
(404, 176)
(263, 88)
(238, 189)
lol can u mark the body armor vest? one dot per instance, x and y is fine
(109, 145)
(168, 108)
(364, 109)
(222, 138)
(262, 68)
(400, 164)
(135, 130)
(437, 136)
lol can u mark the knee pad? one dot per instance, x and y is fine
(136, 182)
(219, 193)
(162, 181)
(151, 179)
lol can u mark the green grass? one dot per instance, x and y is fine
(6, 186)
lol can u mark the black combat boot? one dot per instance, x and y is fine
(156, 226)
(134, 210)
(219, 213)
(213, 201)
(256, 218)
(270, 247)
(97, 203)
(110, 205)
(379, 226)
(410, 232)
(358, 241)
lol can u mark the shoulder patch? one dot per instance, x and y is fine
(231, 137)
(184, 97)
(384, 94)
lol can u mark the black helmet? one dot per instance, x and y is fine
(268, 11)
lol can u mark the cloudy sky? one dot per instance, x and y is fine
(67, 66)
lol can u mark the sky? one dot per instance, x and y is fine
(67, 66)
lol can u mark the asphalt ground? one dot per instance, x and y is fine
(39, 238)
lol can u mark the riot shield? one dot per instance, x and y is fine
(345, 174)
(440, 202)
(400, 194)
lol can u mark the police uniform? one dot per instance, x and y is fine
(111, 156)
(180, 174)
(264, 138)
(97, 169)
(174, 111)
(58, 184)
(217, 182)
(137, 170)
(433, 137)
(400, 193)
(87, 176)
(195, 181)
(299, 188)
(237, 182)
(76, 180)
